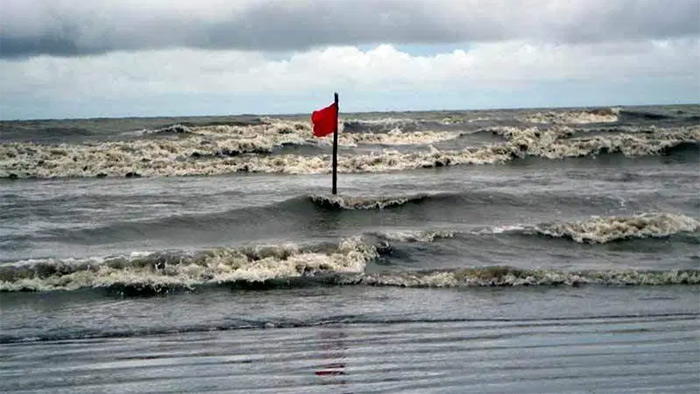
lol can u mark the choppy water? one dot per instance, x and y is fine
(475, 251)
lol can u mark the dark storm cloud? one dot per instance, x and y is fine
(73, 28)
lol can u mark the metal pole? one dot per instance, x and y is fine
(335, 148)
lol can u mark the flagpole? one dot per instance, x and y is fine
(335, 147)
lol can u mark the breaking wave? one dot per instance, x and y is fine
(278, 266)
(162, 271)
(147, 156)
(205, 156)
(396, 137)
(344, 263)
(605, 115)
(378, 125)
(349, 202)
(555, 143)
(609, 229)
(594, 230)
(172, 129)
(416, 236)
(499, 276)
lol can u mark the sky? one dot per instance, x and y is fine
(117, 58)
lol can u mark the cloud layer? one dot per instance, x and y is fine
(505, 64)
(72, 27)
(74, 58)
(191, 81)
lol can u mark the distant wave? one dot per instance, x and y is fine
(603, 115)
(203, 150)
(455, 119)
(201, 155)
(397, 137)
(628, 113)
(146, 156)
(171, 129)
(380, 125)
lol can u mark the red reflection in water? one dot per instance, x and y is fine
(333, 351)
(331, 369)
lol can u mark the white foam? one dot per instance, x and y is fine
(454, 119)
(509, 277)
(417, 236)
(554, 143)
(186, 270)
(500, 229)
(382, 124)
(608, 229)
(177, 157)
(397, 137)
(364, 202)
(610, 115)
(147, 157)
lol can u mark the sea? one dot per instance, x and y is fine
(491, 251)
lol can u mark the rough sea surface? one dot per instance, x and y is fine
(543, 250)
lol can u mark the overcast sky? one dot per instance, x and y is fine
(70, 58)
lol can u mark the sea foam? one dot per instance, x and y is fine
(365, 202)
(240, 150)
(504, 276)
(606, 115)
(162, 271)
(609, 229)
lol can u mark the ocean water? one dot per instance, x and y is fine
(538, 250)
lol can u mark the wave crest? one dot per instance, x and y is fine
(603, 115)
(417, 236)
(594, 230)
(396, 137)
(162, 271)
(608, 229)
(349, 202)
(171, 129)
(500, 276)
(149, 156)
(225, 155)
(344, 263)
(384, 124)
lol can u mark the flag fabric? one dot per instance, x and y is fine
(325, 120)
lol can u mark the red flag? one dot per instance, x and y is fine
(325, 120)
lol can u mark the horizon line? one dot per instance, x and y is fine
(353, 112)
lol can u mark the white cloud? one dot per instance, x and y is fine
(153, 77)
(119, 57)
(383, 67)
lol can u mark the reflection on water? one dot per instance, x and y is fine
(333, 356)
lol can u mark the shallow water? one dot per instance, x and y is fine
(351, 339)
